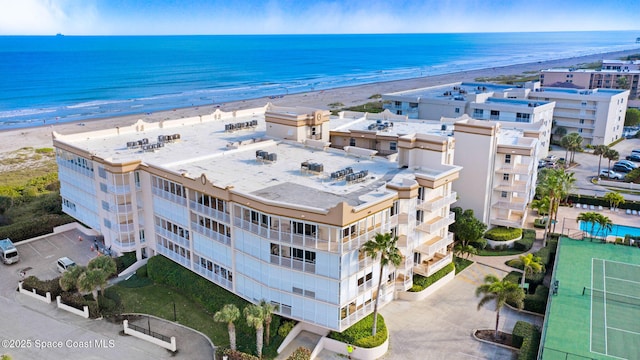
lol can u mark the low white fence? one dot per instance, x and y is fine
(150, 336)
(34, 294)
(421, 295)
(84, 313)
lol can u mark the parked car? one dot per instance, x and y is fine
(541, 164)
(621, 168)
(631, 164)
(611, 174)
(634, 157)
(551, 159)
(64, 263)
(635, 151)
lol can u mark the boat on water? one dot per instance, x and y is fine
(638, 39)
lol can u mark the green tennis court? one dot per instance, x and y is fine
(596, 312)
(615, 309)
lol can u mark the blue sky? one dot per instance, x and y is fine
(159, 17)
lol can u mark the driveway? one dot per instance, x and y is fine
(440, 326)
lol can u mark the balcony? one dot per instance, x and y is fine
(173, 256)
(437, 203)
(214, 235)
(573, 115)
(125, 208)
(431, 247)
(171, 236)
(213, 213)
(357, 312)
(119, 189)
(295, 264)
(437, 223)
(209, 274)
(403, 282)
(123, 246)
(514, 221)
(521, 168)
(515, 186)
(516, 203)
(169, 196)
(125, 227)
(429, 267)
(575, 124)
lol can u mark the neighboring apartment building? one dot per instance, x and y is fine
(598, 115)
(592, 79)
(507, 104)
(497, 182)
(257, 202)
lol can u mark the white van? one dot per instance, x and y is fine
(63, 264)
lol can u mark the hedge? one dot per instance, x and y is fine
(527, 338)
(597, 201)
(35, 226)
(540, 223)
(77, 301)
(503, 233)
(528, 238)
(359, 334)
(537, 302)
(420, 282)
(43, 286)
(125, 260)
(211, 296)
(236, 355)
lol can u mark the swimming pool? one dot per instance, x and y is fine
(616, 230)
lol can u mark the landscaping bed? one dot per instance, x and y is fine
(502, 339)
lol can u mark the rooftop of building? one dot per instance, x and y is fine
(454, 91)
(584, 92)
(229, 159)
(389, 125)
(605, 71)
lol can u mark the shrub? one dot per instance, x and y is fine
(420, 282)
(142, 271)
(78, 301)
(537, 302)
(43, 286)
(359, 334)
(527, 337)
(34, 226)
(125, 260)
(237, 355)
(540, 223)
(45, 150)
(301, 353)
(286, 328)
(545, 255)
(503, 233)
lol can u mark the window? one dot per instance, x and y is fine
(136, 178)
(313, 130)
(421, 194)
(393, 146)
(394, 208)
(579, 130)
(503, 194)
(107, 223)
(103, 187)
(413, 105)
(520, 117)
(479, 113)
(581, 121)
(505, 177)
(398, 112)
(398, 103)
(102, 172)
(302, 228)
(419, 216)
(364, 279)
(495, 115)
(352, 142)
(456, 110)
(507, 159)
(105, 205)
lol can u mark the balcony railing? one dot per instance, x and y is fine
(294, 264)
(173, 256)
(356, 313)
(119, 189)
(429, 267)
(437, 223)
(515, 186)
(286, 236)
(213, 276)
(213, 213)
(518, 204)
(513, 221)
(431, 205)
(123, 246)
(430, 248)
(169, 196)
(521, 168)
(171, 236)
(214, 235)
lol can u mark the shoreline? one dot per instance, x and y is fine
(40, 136)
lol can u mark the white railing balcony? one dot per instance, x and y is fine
(518, 204)
(519, 168)
(514, 221)
(356, 313)
(431, 247)
(169, 196)
(515, 186)
(123, 246)
(573, 115)
(403, 282)
(438, 203)
(216, 214)
(211, 275)
(214, 235)
(429, 267)
(125, 227)
(119, 189)
(173, 256)
(437, 223)
(125, 208)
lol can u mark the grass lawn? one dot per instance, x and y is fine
(158, 300)
(461, 263)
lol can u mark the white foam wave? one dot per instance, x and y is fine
(24, 112)
(97, 103)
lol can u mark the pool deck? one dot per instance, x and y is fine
(568, 225)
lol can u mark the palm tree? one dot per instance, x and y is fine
(589, 218)
(464, 251)
(267, 311)
(572, 142)
(559, 132)
(228, 314)
(614, 198)
(541, 205)
(530, 265)
(90, 280)
(255, 319)
(556, 184)
(622, 82)
(106, 264)
(600, 150)
(612, 155)
(604, 224)
(501, 291)
(385, 246)
(69, 280)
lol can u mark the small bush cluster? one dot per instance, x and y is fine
(78, 301)
(286, 328)
(43, 286)
(125, 260)
(500, 233)
(527, 338)
(237, 355)
(420, 282)
(142, 271)
(598, 201)
(540, 223)
(528, 238)
(537, 302)
(359, 334)
(301, 353)
(34, 226)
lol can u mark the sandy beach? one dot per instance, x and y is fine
(38, 137)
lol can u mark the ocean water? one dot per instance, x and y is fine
(54, 79)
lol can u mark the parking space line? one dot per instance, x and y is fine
(52, 244)
(34, 249)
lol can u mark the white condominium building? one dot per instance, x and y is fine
(258, 202)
